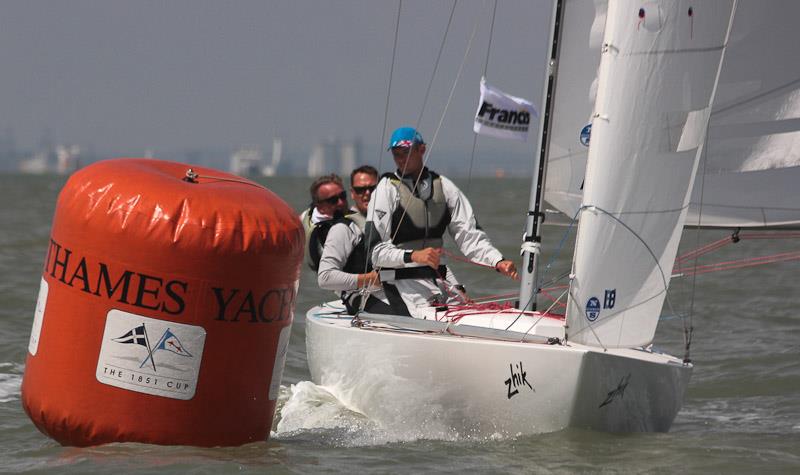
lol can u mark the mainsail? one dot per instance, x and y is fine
(659, 67)
(752, 152)
(753, 149)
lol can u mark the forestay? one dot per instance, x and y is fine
(658, 71)
(753, 149)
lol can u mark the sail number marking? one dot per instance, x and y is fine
(593, 304)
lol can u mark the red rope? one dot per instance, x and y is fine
(738, 264)
(454, 313)
(463, 259)
(704, 249)
(786, 235)
(483, 305)
(681, 268)
(553, 299)
(545, 291)
(715, 245)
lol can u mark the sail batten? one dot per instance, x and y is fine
(656, 82)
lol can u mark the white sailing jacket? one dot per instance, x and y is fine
(471, 241)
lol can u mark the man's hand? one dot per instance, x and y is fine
(429, 256)
(507, 268)
(369, 280)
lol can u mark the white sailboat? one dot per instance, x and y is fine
(518, 371)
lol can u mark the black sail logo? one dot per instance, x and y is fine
(517, 380)
(618, 392)
(507, 119)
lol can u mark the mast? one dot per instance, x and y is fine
(532, 239)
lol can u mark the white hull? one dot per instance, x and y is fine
(460, 386)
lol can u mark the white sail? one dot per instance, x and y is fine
(579, 58)
(753, 148)
(658, 71)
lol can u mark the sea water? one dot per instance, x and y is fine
(741, 412)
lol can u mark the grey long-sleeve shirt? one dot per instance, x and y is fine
(342, 239)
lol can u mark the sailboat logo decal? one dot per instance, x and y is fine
(517, 380)
(586, 134)
(150, 356)
(593, 309)
(619, 392)
(168, 341)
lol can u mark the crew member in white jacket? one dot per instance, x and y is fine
(345, 265)
(410, 211)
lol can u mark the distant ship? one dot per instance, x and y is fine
(249, 160)
(63, 159)
(36, 164)
(271, 169)
(335, 156)
(246, 161)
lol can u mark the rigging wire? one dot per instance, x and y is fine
(427, 94)
(425, 101)
(422, 110)
(435, 67)
(485, 70)
(426, 158)
(368, 238)
(389, 87)
(688, 331)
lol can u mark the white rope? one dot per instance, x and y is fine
(542, 315)
(530, 246)
(368, 238)
(441, 120)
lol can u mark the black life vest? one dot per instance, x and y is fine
(358, 262)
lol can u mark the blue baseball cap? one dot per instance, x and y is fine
(405, 137)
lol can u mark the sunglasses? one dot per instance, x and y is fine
(363, 189)
(334, 199)
(398, 152)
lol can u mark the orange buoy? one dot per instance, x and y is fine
(165, 307)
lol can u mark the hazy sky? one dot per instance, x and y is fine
(126, 76)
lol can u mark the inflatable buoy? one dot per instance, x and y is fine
(165, 307)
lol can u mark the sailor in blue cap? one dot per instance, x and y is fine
(410, 211)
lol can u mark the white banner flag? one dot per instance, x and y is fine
(503, 116)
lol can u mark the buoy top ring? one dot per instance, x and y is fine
(191, 176)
